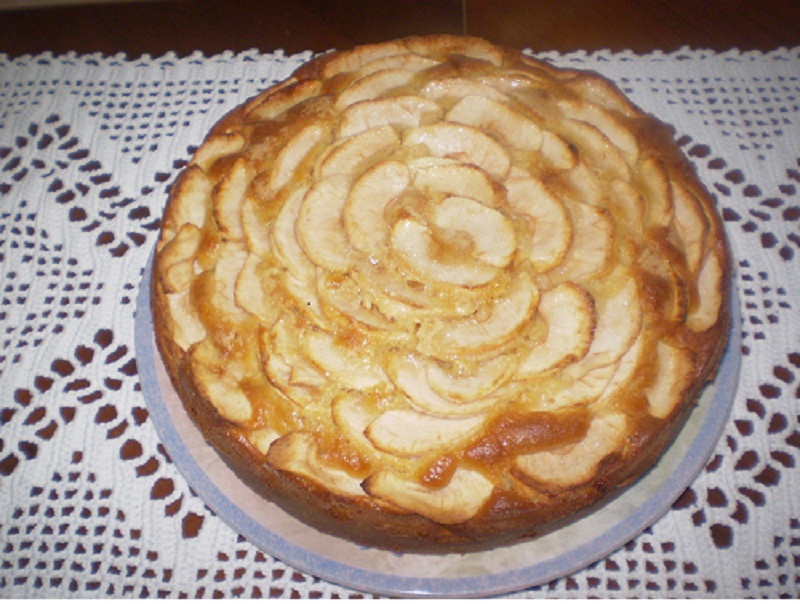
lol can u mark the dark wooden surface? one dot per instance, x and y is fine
(212, 26)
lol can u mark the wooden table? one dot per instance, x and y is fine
(213, 26)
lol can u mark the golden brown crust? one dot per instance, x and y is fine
(434, 295)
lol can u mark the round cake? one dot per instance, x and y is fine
(435, 295)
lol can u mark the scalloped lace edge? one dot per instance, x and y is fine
(171, 58)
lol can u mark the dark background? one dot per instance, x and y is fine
(213, 26)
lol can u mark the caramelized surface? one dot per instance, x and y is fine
(433, 275)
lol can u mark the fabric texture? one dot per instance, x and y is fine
(90, 502)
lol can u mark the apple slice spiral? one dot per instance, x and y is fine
(370, 266)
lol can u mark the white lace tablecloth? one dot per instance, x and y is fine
(91, 504)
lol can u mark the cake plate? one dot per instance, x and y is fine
(498, 571)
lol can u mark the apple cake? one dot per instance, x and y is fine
(435, 295)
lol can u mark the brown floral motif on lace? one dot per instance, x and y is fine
(49, 149)
(71, 378)
(765, 420)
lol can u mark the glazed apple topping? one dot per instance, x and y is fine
(445, 239)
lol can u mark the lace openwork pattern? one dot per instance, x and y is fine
(90, 501)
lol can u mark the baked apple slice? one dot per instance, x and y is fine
(478, 380)
(227, 199)
(552, 226)
(294, 153)
(499, 119)
(319, 227)
(710, 294)
(573, 465)
(673, 377)
(464, 143)
(459, 500)
(298, 453)
(590, 254)
(505, 318)
(186, 326)
(568, 310)
(177, 268)
(352, 154)
(285, 245)
(416, 247)
(396, 111)
(409, 375)
(373, 85)
(444, 179)
(456, 88)
(364, 213)
(409, 433)
(342, 363)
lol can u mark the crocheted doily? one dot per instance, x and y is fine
(91, 503)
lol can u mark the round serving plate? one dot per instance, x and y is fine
(499, 571)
